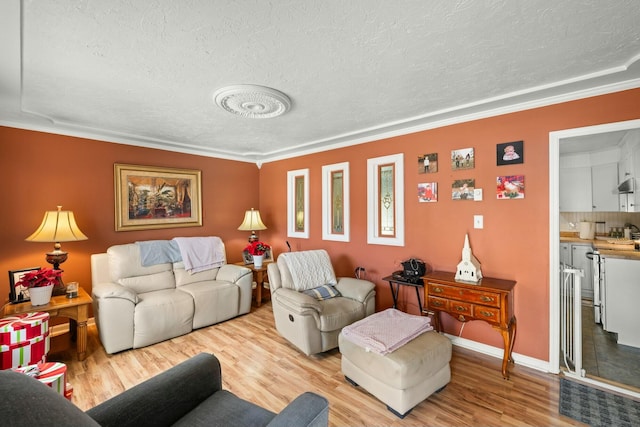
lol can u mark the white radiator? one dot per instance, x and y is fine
(571, 318)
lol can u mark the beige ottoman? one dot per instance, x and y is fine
(404, 377)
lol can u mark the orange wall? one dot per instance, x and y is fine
(514, 243)
(42, 171)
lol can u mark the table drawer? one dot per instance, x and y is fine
(458, 308)
(436, 303)
(489, 314)
(481, 297)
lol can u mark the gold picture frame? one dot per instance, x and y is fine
(149, 197)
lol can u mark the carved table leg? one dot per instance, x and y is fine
(506, 336)
(512, 338)
(82, 340)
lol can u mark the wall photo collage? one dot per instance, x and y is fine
(508, 187)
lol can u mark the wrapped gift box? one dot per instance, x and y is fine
(28, 352)
(68, 391)
(22, 327)
(52, 374)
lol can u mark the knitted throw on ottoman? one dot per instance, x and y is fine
(386, 331)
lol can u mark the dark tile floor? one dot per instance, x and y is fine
(602, 357)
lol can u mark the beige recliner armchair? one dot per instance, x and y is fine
(310, 305)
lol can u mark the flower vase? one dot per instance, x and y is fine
(257, 261)
(40, 295)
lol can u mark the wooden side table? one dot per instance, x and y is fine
(259, 276)
(76, 309)
(399, 282)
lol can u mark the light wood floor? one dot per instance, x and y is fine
(260, 366)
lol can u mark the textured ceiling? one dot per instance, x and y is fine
(144, 72)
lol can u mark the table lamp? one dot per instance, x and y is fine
(252, 222)
(57, 226)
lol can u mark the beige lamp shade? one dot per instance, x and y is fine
(252, 222)
(57, 226)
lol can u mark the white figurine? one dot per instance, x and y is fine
(469, 268)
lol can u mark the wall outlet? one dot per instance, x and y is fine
(478, 221)
(477, 194)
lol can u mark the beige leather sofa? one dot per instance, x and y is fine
(135, 305)
(310, 324)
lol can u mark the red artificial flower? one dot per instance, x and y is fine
(257, 248)
(40, 278)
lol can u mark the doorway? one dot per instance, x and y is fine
(555, 141)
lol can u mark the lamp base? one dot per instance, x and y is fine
(56, 258)
(253, 237)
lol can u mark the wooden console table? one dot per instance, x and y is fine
(490, 300)
(76, 309)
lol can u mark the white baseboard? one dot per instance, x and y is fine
(519, 359)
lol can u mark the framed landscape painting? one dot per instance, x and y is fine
(148, 197)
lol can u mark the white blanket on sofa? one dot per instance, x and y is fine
(387, 330)
(201, 253)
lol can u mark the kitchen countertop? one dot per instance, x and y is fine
(605, 249)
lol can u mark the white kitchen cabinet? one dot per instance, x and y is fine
(575, 255)
(575, 189)
(590, 189)
(604, 187)
(579, 260)
(622, 294)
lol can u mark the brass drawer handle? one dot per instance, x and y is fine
(460, 308)
(437, 303)
(461, 318)
(486, 313)
(486, 298)
(437, 290)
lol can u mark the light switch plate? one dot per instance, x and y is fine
(478, 221)
(477, 194)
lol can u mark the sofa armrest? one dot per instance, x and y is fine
(27, 402)
(232, 273)
(114, 290)
(356, 289)
(184, 386)
(296, 300)
(308, 409)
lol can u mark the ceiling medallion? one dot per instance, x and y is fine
(252, 101)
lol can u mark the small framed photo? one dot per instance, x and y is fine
(462, 189)
(21, 293)
(510, 153)
(428, 163)
(510, 187)
(248, 258)
(428, 192)
(463, 159)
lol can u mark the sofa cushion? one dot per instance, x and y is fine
(183, 277)
(225, 409)
(150, 282)
(323, 292)
(124, 261)
(162, 315)
(337, 313)
(214, 301)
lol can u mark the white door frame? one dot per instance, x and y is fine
(554, 226)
